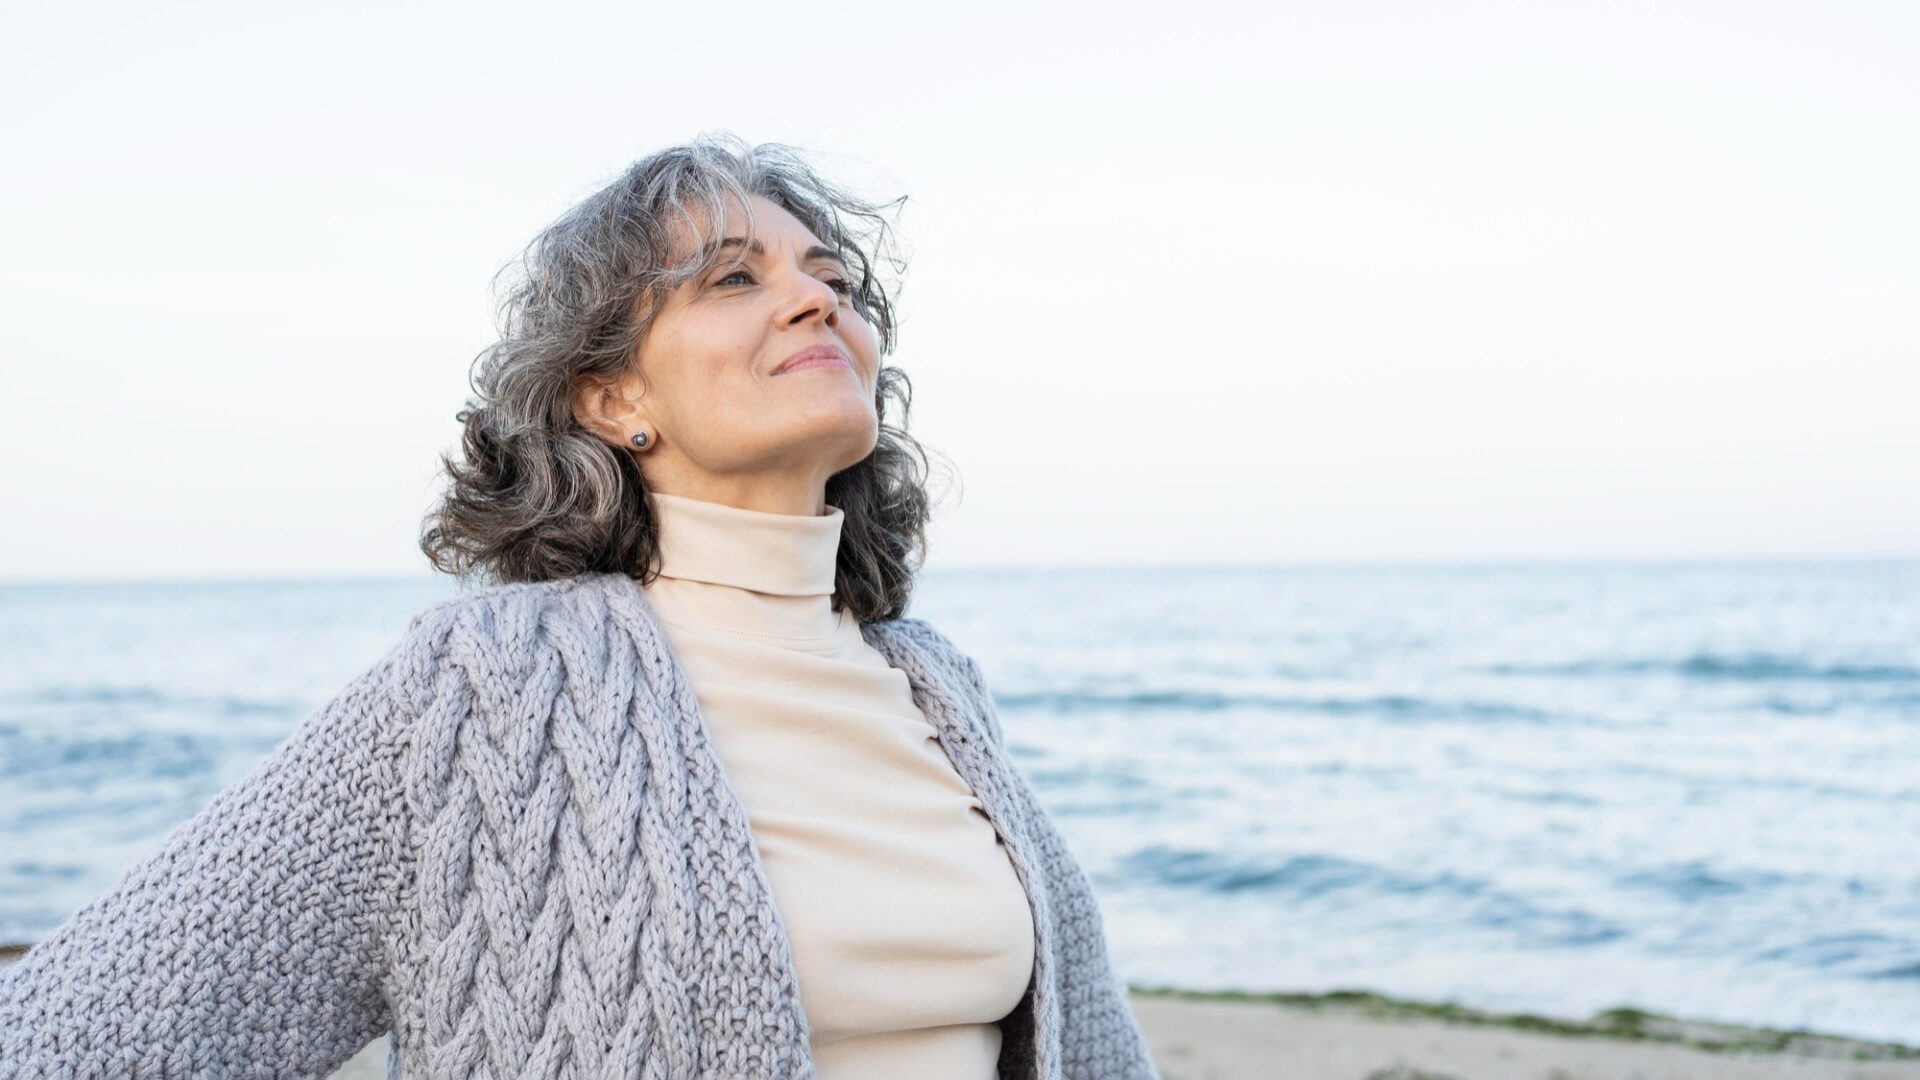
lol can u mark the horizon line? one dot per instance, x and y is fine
(1642, 562)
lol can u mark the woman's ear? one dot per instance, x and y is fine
(602, 407)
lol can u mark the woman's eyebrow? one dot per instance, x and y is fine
(817, 251)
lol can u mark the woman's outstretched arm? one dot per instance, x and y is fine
(251, 942)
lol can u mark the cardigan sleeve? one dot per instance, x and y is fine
(250, 942)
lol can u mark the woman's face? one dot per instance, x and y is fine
(726, 425)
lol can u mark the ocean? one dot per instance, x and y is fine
(1689, 788)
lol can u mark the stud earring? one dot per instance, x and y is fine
(640, 439)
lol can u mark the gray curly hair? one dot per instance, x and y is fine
(537, 496)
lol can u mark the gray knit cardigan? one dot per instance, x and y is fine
(511, 844)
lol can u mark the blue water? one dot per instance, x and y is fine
(1694, 789)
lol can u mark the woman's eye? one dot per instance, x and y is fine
(840, 285)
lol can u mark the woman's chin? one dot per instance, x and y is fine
(842, 406)
(848, 436)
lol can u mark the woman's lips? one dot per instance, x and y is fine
(815, 362)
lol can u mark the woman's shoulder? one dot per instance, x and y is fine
(508, 600)
(924, 639)
(524, 612)
(498, 633)
(928, 640)
(912, 640)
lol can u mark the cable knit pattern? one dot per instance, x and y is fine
(511, 844)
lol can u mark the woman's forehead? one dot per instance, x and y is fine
(765, 219)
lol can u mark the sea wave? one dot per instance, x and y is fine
(1751, 666)
(1393, 706)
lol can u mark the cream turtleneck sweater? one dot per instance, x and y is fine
(911, 933)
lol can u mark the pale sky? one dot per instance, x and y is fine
(1192, 283)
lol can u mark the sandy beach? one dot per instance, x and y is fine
(1359, 1036)
(1366, 1037)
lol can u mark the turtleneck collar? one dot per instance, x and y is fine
(776, 554)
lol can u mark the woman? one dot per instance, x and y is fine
(679, 792)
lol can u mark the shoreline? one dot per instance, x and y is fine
(1621, 1022)
(1362, 1035)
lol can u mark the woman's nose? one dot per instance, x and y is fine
(812, 296)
